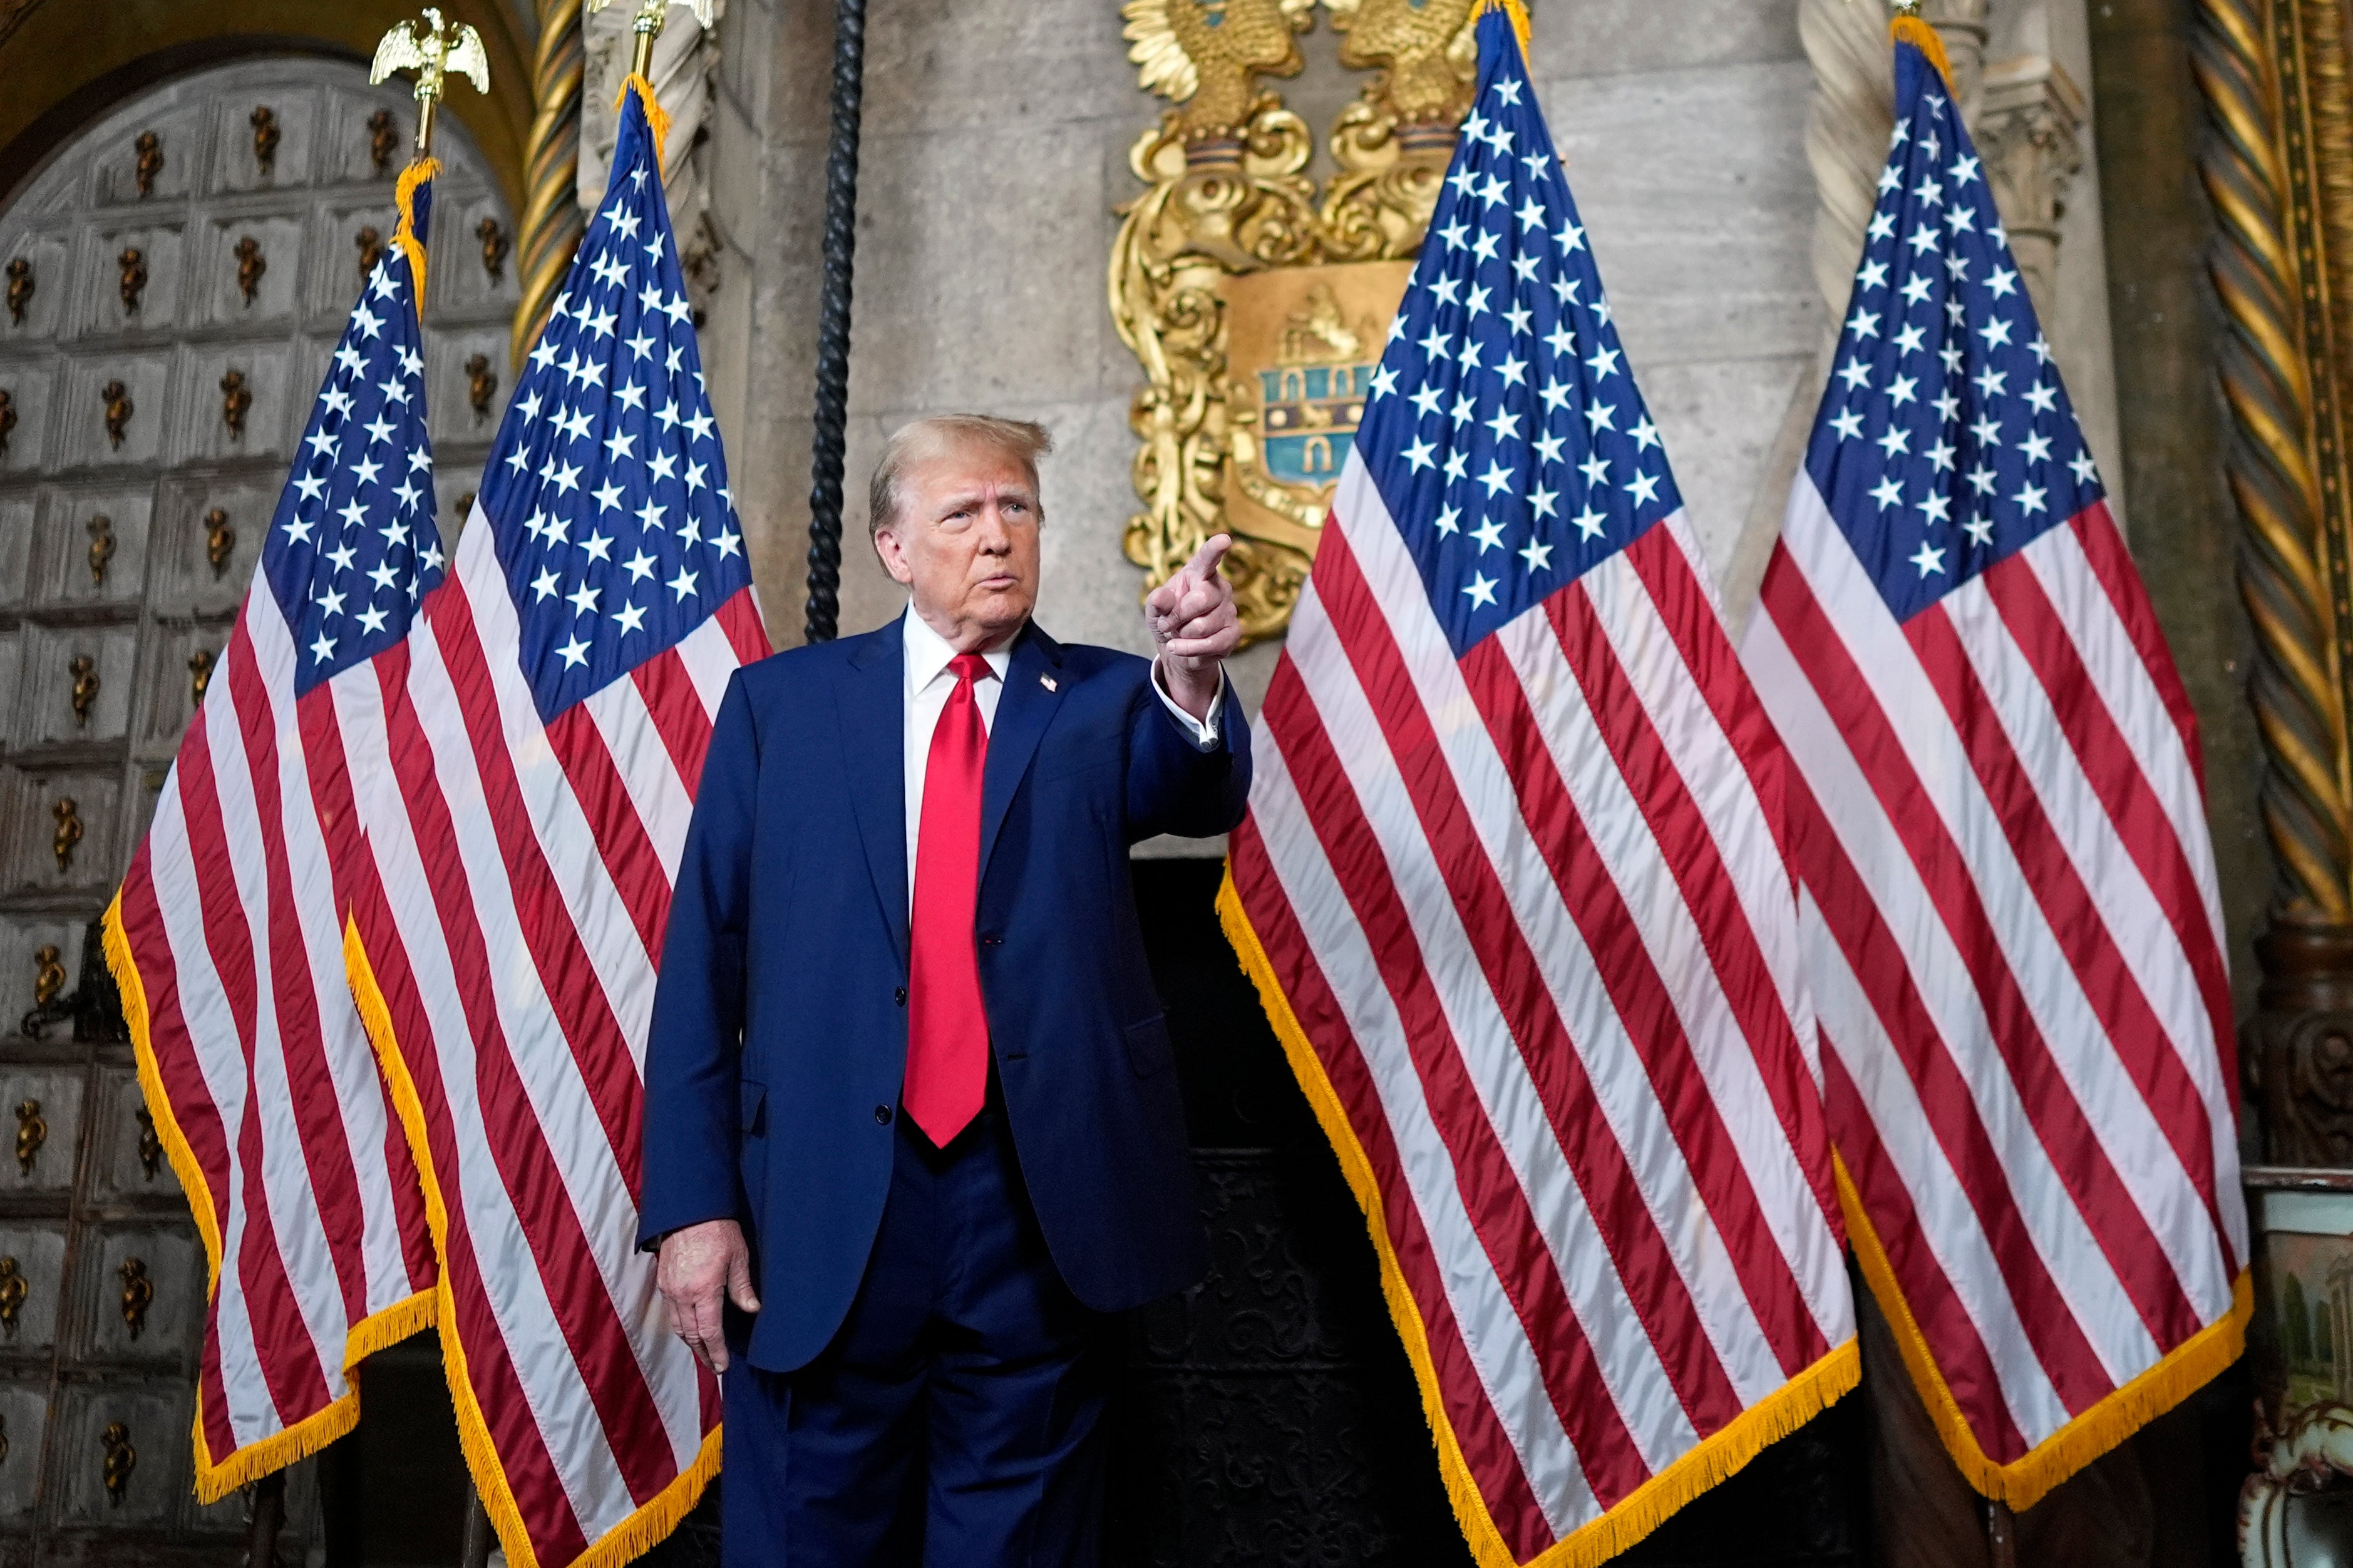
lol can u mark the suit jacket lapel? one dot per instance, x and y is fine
(872, 705)
(1024, 710)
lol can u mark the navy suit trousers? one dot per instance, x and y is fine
(955, 1419)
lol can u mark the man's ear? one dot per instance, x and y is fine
(893, 552)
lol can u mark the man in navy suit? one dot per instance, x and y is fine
(910, 1105)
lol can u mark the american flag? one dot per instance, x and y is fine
(548, 733)
(2009, 896)
(1510, 889)
(226, 936)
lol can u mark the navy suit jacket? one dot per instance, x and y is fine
(779, 1036)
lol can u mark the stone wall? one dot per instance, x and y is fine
(994, 152)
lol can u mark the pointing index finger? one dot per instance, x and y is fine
(1204, 563)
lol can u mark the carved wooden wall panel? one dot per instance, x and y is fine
(156, 401)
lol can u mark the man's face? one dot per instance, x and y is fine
(966, 542)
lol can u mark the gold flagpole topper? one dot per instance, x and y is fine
(648, 26)
(432, 49)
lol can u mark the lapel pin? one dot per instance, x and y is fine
(1048, 682)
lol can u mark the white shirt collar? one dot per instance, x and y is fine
(928, 653)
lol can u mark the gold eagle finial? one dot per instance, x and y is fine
(1203, 54)
(433, 49)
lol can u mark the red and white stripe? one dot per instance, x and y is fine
(527, 872)
(2016, 945)
(230, 921)
(1528, 911)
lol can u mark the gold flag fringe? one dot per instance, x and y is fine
(655, 1519)
(657, 118)
(1650, 1505)
(403, 233)
(1920, 36)
(2023, 1482)
(217, 1478)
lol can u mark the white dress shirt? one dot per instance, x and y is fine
(929, 683)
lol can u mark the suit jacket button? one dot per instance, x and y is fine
(881, 1116)
(900, 996)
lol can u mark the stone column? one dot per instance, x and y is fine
(685, 61)
(1962, 24)
(2028, 128)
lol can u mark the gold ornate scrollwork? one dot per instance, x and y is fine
(236, 401)
(264, 121)
(117, 1459)
(83, 669)
(1229, 200)
(48, 973)
(21, 284)
(220, 541)
(32, 1131)
(384, 139)
(481, 386)
(132, 283)
(200, 674)
(101, 536)
(370, 245)
(150, 1144)
(147, 162)
(115, 397)
(67, 813)
(138, 1294)
(495, 245)
(14, 1287)
(250, 265)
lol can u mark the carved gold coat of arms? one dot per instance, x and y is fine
(1257, 303)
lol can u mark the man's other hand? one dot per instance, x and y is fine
(696, 1262)
(1193, 619)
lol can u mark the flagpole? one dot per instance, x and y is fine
(832, 412)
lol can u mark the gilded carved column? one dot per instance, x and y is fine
(2279, 172)
(552, 224)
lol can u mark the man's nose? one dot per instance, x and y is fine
(996, 538)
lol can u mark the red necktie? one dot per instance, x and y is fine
(948, 1028)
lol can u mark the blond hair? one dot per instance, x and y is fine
(1020, 439)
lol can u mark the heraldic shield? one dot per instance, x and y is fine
(1256, 301)
(1301, 345)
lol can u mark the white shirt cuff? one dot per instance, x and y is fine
(1204, 731)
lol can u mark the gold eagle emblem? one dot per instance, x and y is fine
(1202, 55)
(433, 49)
(1430, 51)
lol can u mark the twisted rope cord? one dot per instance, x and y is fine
(832, 417)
